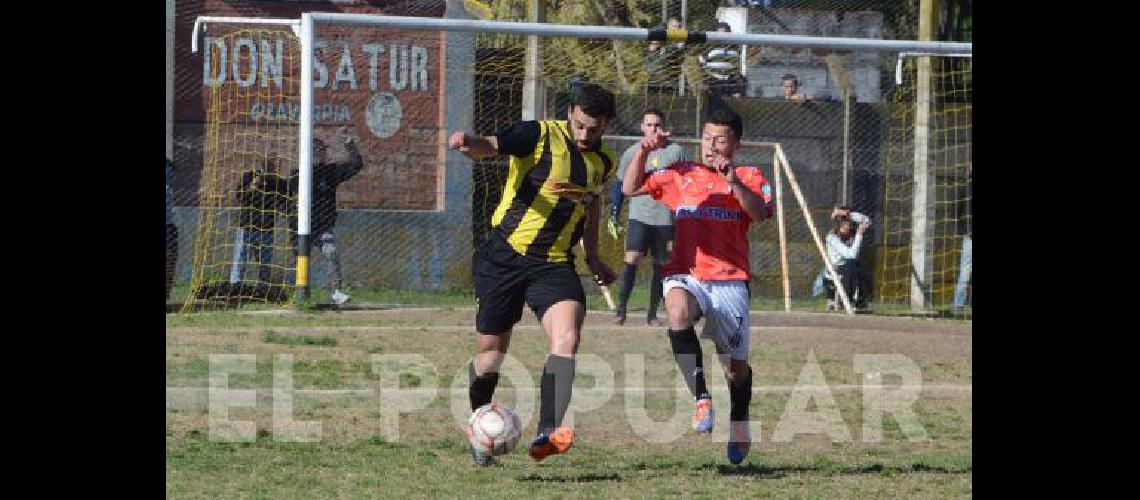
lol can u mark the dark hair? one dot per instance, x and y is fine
(789, 76)
(594, 100)
(724, 25)
(838, 221)
(654, 111)
(722, 115)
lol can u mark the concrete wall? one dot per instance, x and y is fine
(767, 65)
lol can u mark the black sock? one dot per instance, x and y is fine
(627, 277)
(654, 291)
(482, 387)
(690, 360)
(557, 384)
(741, 396)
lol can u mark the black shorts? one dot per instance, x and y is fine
(644, 238)
(504, 280)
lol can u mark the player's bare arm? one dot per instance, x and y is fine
(474, 146)
(602, 272)
(632, 183)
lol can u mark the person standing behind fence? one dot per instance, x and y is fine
(650, 223)
(965, 229)
(258, 196)
(327, 177)
(790, 86)
(722, 69)
(663, 63)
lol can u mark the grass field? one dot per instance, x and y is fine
(341, 358)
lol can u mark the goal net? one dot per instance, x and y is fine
(926, 253)
(243, 244)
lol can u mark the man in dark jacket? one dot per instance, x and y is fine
(327, 176)
(260, 195)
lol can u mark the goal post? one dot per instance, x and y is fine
(310, 23)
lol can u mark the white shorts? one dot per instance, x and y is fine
(724, 305)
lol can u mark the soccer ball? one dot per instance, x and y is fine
(493, 429)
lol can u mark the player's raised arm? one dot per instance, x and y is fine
(343, 171)
(633, 183)
(474, 146)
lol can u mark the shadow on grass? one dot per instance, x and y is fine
(580, 478)
(215, 306)
(363, 306)
(831, 469)
(779, 471)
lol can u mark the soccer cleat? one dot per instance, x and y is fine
(482, 459)
(703, 415)
(557, 442)
(339, 297)
(739, 441)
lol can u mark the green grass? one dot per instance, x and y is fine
(355, 458)
(374, 467)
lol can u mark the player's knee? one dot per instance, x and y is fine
(487, 343)
(564, 340)
(680, 317)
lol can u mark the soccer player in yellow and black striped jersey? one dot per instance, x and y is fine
(550, 201)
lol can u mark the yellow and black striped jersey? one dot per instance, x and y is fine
(536, 222)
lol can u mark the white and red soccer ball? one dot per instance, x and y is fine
(493, 429)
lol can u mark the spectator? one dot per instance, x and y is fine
(674, 23)
(327, 177)
(259, 195)
(843, 252)
(965, 208)
(791, 88)
(722, 69)
(663, 64)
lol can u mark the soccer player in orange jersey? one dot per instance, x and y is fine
(713, 203)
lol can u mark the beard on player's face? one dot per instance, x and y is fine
(585, 129)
